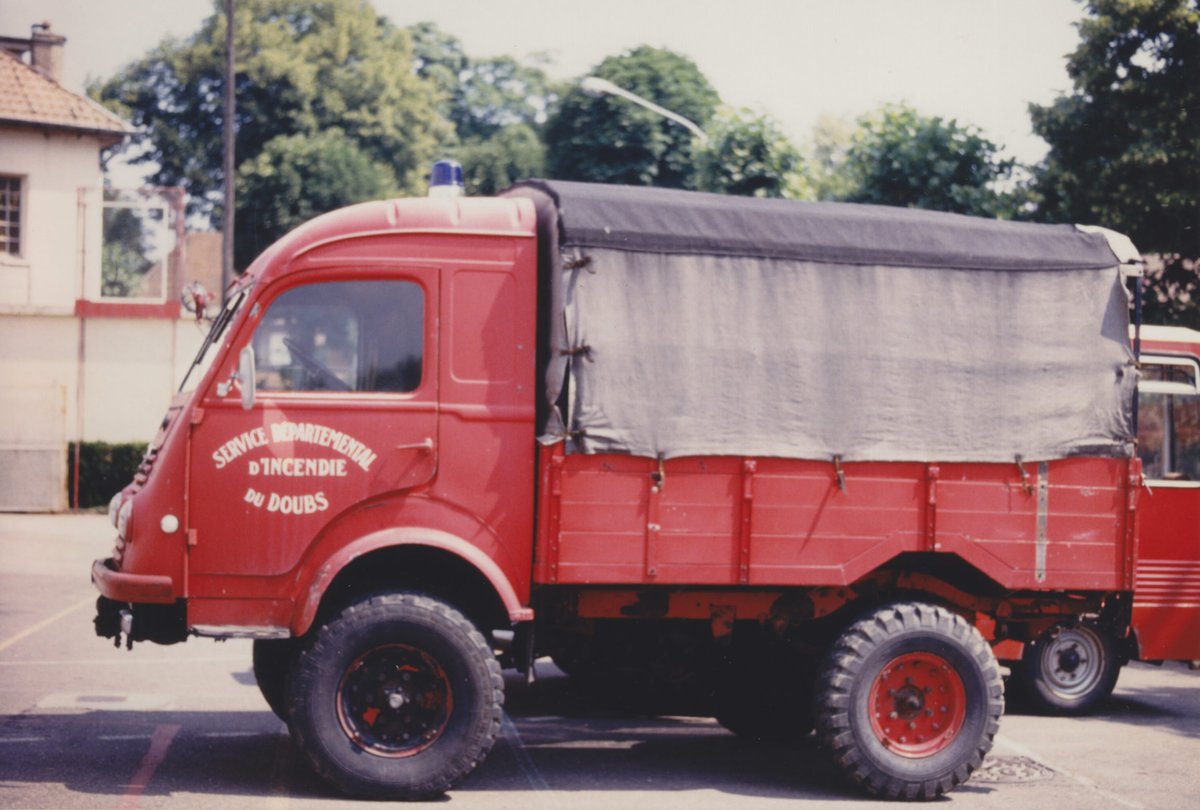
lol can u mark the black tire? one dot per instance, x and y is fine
(950, 705)
(398, 697)
(273, 660)
(1068, 670)
(766, 717)
(766, 699)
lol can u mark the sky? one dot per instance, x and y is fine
(981, 62)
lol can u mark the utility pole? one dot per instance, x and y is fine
(229, 132)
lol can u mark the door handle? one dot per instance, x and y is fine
(425, 446)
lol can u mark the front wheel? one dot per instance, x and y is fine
(1068, 670)
(909, 701)
(398, 697)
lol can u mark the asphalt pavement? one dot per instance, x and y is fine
(84, 725)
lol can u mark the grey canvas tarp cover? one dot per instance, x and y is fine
(682, 324)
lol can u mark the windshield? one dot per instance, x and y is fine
(196, 370)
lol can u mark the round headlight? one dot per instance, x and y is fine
(169, 524)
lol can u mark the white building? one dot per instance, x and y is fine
(77, 361)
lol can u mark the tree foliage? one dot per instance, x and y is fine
(607, 139)
(303, 67)
(512, 153)
(899, 157)
(826, 151)
(123, 261)
(748, 155)
(296, 177)
(1125, 144)
(497, 107)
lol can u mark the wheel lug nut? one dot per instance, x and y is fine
(893, 715)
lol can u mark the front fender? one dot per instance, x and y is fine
(306, 607)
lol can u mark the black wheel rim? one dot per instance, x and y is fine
(394, 701)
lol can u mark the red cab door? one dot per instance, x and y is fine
(345, 409)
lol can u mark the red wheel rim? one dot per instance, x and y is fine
(917, 704)
(394, 701)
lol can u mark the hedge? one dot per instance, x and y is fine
(104, 470)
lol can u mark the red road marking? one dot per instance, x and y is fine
(159, 743)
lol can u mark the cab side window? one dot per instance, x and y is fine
(365, 336)
(1169, 418)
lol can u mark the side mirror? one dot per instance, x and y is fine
(246, 377)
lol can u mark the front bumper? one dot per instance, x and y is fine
(135, 588)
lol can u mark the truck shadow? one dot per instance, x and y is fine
(1173, 708)
(249, 754)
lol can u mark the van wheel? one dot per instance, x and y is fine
(909, 701)
(1068, 670)
(398, 697)
(272, 661)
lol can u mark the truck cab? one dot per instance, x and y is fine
(391, 369)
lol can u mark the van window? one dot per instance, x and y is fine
(342, 336)
(1169, 419)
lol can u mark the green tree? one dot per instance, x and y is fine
(826, 150)
(748, 155)
(1125, 144)
(303, 67)
(610, 140)
(123, 262)
(296, 177)
(511, 153)
(899, 157)
(497, 107)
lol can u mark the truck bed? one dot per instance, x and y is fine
(621, 520)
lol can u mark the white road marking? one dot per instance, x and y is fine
(33, 628)
(1080, 779)
(513, 737)
(112, 737)
(21, 739)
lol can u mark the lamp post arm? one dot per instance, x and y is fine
(595, 86)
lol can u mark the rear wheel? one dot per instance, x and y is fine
(1069, 669)
(909, 701)
(398, 697)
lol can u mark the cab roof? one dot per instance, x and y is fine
(461, 215)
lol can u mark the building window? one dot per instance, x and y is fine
(10, 216)
(139, 237)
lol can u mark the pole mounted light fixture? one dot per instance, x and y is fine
(595, 87)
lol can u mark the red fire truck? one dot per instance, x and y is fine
(822, 459)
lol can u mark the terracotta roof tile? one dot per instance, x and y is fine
(28, 98)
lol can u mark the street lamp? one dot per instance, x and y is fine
(595, 86)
